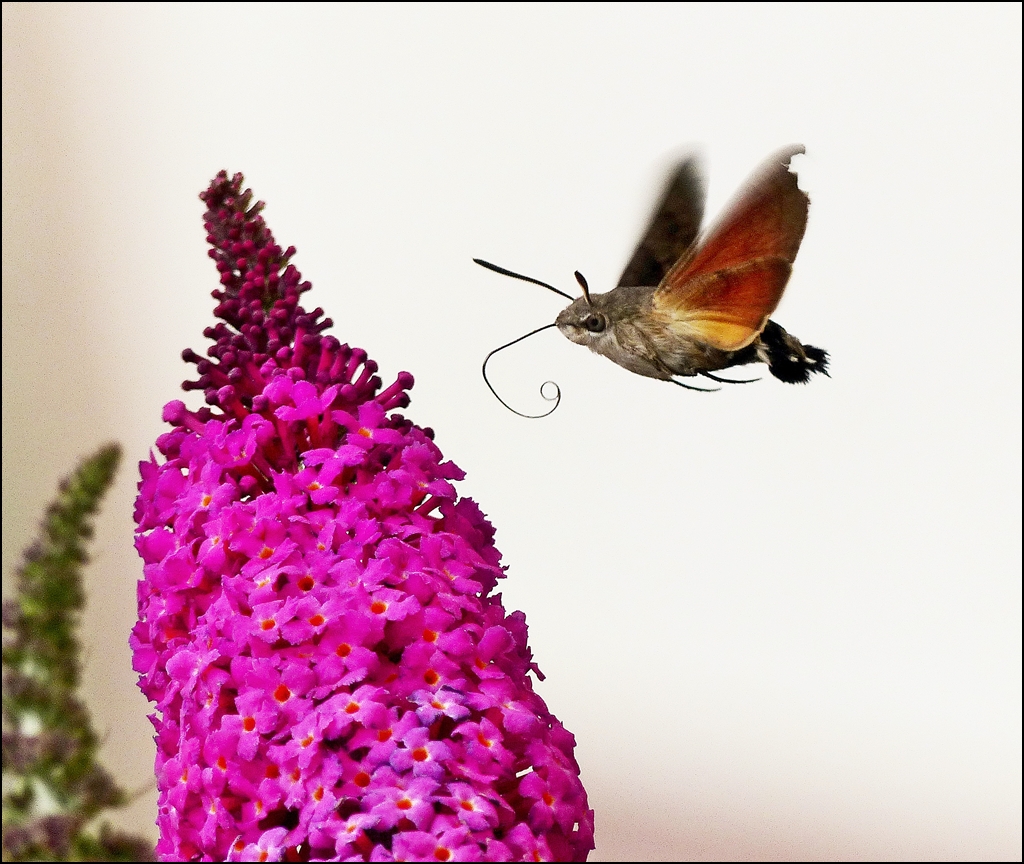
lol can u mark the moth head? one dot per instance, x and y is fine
(582, 321)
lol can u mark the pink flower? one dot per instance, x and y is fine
(333, 676)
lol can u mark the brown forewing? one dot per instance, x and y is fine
(671, 230)
(738, 272)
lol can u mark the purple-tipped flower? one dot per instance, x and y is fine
(333, 677)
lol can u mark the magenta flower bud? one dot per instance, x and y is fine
(334, 676)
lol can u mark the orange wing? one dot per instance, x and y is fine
(724, 290)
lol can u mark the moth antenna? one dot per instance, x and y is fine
(728, 380)
(691, 387)
(583, 284)
(557, 398)
(504, 272)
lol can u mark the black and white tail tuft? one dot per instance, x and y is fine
(788, 359)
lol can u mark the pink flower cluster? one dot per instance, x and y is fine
(332, 675)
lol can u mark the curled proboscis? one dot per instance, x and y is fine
(556, 398)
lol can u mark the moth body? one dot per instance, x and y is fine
(622, 325)
(693, 302)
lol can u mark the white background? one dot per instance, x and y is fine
(782, 622)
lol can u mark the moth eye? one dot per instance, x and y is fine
(594, 323)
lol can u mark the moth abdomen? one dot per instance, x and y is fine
(788, 358)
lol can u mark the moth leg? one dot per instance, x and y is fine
(728, 380)
(691, 387)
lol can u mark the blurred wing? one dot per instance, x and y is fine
(724, 290)
(672, 229)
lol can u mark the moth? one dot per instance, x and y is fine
(694, 303)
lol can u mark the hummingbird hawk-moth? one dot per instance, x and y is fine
(691, 303)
